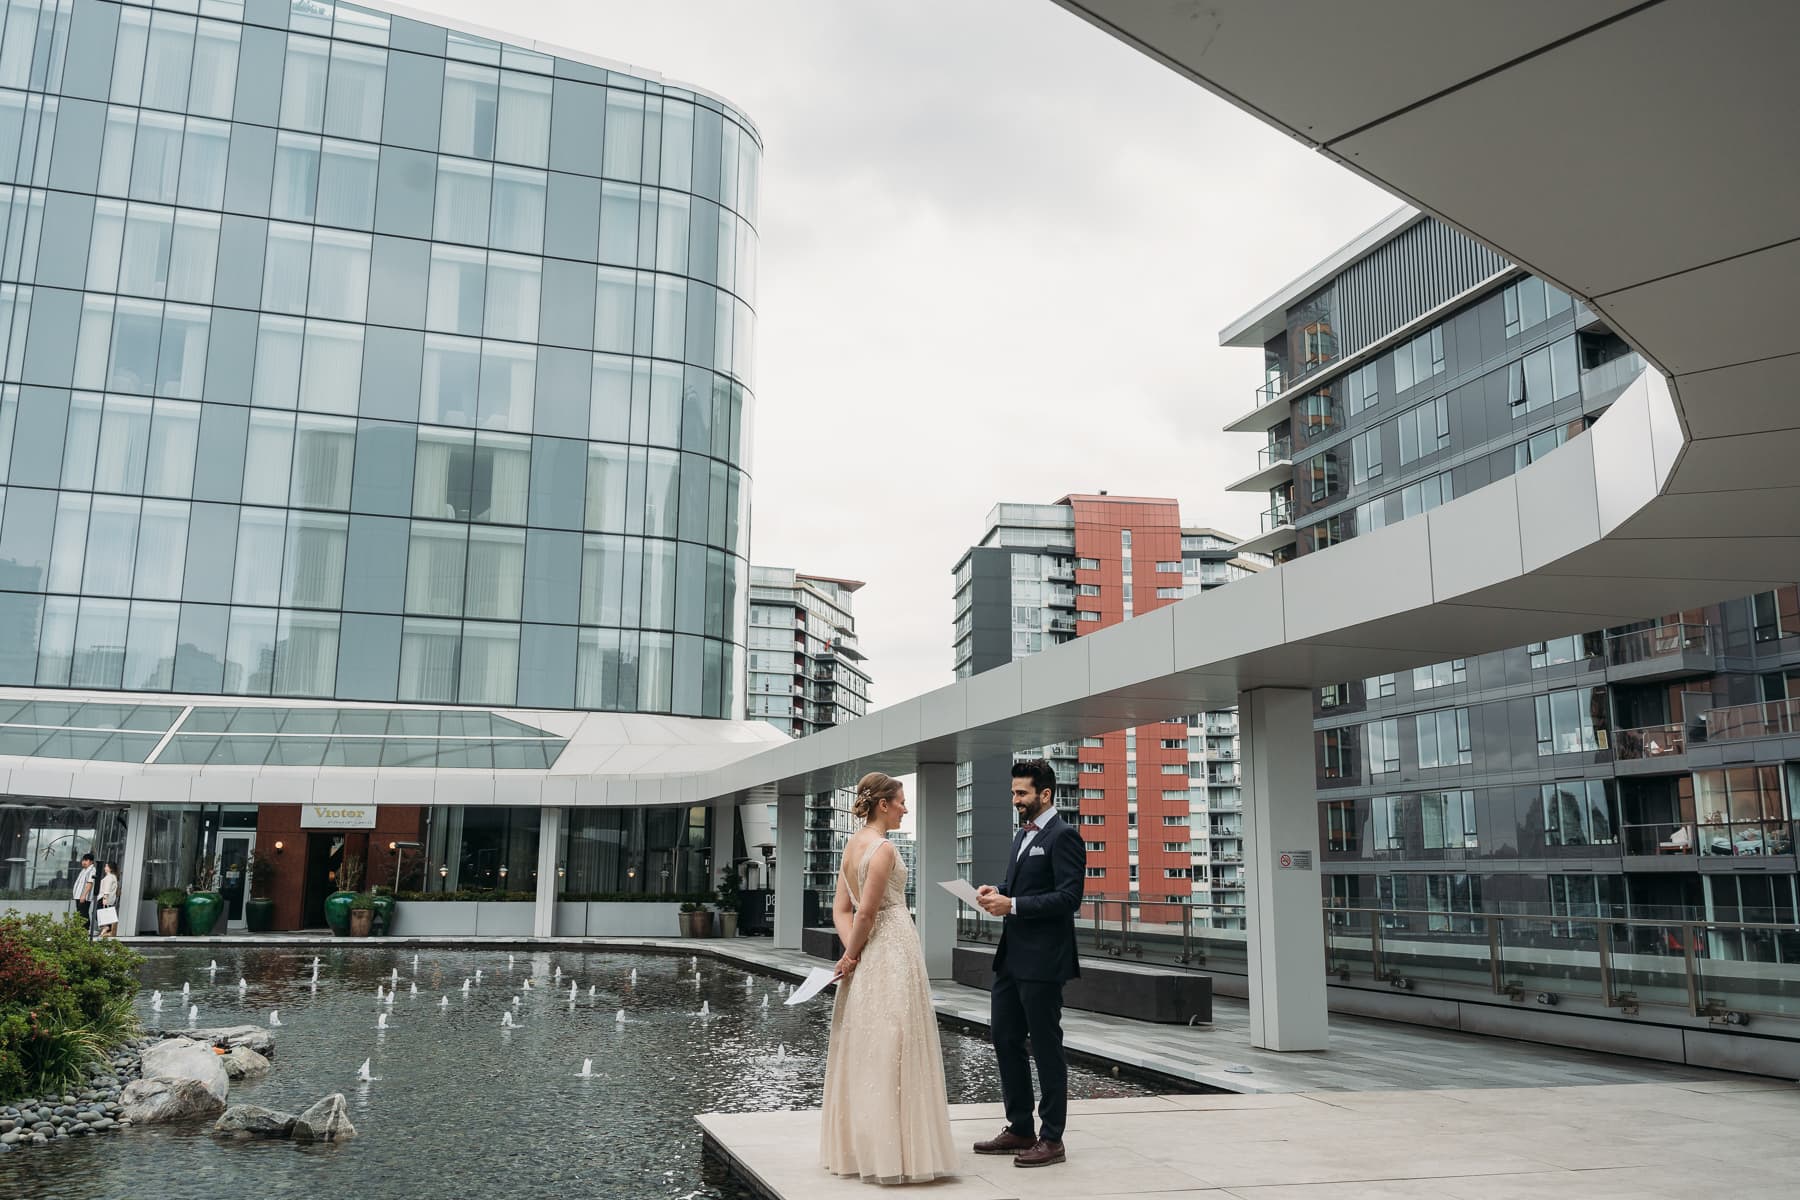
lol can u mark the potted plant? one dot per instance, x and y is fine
(700, 921)
(382, 898)
(203, 906)
(362, 914)
(259, 909)
(686, 919)
(168, 911)
(337, 905)
(730, 899)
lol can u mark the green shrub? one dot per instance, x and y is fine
(362, 902)
(96, 971)
(64, 1001)
(171, 898)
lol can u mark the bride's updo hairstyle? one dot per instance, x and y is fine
(871, 790)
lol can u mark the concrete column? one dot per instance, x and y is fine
(131, 867)
(1285, 936)
(934, 833)
(724, 836)
(550, 827)
(790, 869)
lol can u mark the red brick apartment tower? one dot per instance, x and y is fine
(1127, 563)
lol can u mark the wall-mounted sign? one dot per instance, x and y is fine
(337, 816)
(1294, 860)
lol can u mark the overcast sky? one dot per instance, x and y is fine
(997, 250)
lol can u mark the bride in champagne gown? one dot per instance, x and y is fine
(885, 1116)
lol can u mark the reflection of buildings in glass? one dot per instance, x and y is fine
(362, 473)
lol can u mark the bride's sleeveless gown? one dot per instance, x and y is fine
(885, 1115)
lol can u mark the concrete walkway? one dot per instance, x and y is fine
(1646, 1140)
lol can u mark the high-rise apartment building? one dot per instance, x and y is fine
(354, 367)
(1043, 574)
(807, 674)
(1645, 771)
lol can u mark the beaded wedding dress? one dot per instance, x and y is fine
(885, 1116)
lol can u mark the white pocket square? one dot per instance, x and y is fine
(1037, 850)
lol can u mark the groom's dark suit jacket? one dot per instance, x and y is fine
(1037, 941)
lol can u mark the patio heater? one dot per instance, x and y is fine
(398, 850)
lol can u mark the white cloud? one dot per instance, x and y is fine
(997, 249)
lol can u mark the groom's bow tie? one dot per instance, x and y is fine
(1028, 827)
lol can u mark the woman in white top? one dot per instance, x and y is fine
(109, 898)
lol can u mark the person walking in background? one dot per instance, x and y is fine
(1045, 881)
(84, 890)
(108, 914)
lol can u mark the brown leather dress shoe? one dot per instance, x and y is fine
(1007, 1142)
(1042, 1154)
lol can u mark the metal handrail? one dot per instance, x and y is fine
(1650, 741)
(1663, 641)
(1770, 718)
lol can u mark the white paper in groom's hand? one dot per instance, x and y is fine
(963, 890)
(815, 982)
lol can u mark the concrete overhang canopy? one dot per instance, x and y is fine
(1631, 153)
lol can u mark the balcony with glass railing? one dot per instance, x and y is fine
(1770, 718)
(1677, 971)
(1274, 465)
(1268, 409)
(1665, 652)
(1651, 749)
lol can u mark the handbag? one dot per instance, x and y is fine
(108, 916)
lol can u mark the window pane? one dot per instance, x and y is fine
(181, 360)
(296, 187)
(306, 654)
(518, 209)
(347, 172)
(470, 110)
(193, 257)
(314, 571)
(330, 372)
(303, 84)
(428, 651)
(323, 451)
(496, 573)
(166, 66)
(268, 455)
(124, 443)
(490, 664)
(256, 576)
(99, 660)
(358, 77)
(215, 69)
(606, 489)
(161, 550)
(450, 381)
(205, 150)
(111, 546)
(150, 647)
(434, 570)
(670, 327)
(458, 285)
(286, 259)
(174, 436)
(618, 224)
(462, 201)
(624, 138)
(144, 257)
(137, 329)
(524, 130)
(441, 473)
(508, 383)
(277, 378)
(512, 296)
(250, 652)
(500, 484)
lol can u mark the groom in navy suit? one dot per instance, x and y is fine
(1045, 877)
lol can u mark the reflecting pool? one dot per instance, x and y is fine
(460, 1107)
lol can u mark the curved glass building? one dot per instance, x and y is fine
(374, 410)
(351, 357)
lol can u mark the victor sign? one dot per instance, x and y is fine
(337, 816)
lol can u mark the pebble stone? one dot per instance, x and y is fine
(84, 1112)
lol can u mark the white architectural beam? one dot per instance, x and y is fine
(934, 824)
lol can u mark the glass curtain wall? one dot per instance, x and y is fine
(182, 846)
(491, 850)
(360, 358)
(41, 846)
(636, 851)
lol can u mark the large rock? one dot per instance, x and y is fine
(253, 1120)
(179, 1058)
(150, 1101)
(244, 1063)
(231, 1036)
(326, 1121)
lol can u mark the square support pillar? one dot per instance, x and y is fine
(131, 867)
(790, 869)
(724, 837)
(550, 830)
(1285, 932)
(934, 826)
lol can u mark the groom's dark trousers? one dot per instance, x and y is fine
(1036, 956)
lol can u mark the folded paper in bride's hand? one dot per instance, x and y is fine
(816, 981)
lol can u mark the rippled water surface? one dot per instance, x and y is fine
(460, 1107)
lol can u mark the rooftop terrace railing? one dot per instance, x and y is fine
(1730, 972)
